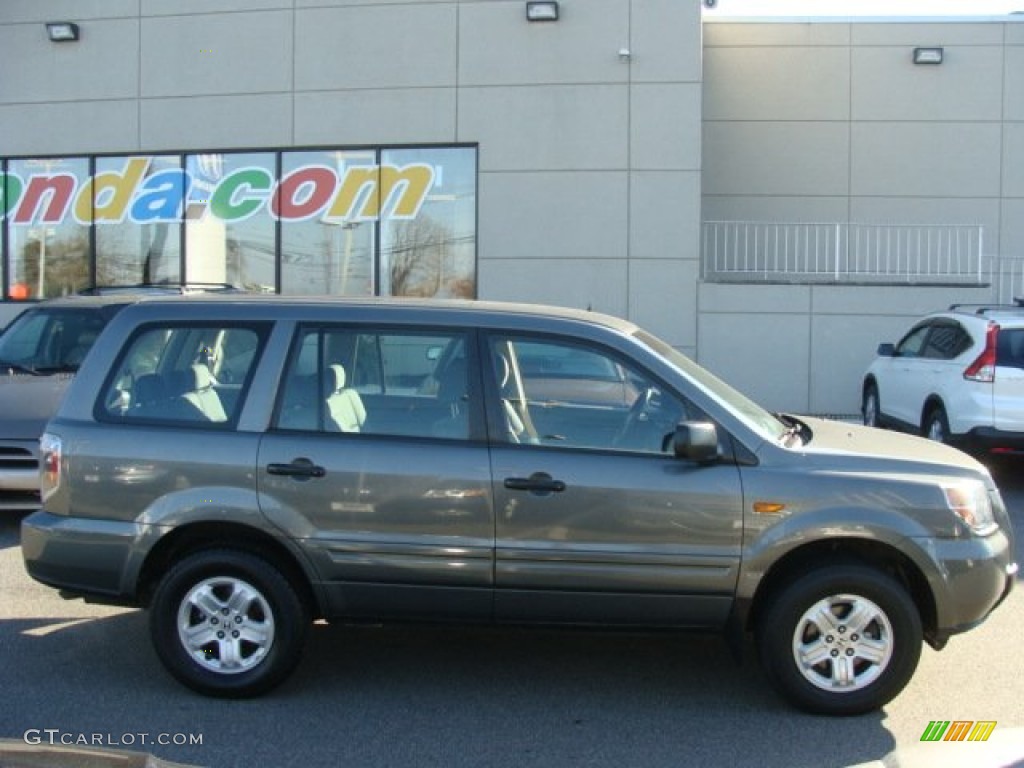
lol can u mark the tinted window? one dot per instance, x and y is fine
(946, 341)
(186, 374)
(382, 382)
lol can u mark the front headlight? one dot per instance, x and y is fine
(969, 501)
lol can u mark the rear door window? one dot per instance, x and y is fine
(380, 381)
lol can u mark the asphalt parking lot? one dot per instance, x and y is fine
(426, 696)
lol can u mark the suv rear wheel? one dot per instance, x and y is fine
(841, 640)
(227, 623)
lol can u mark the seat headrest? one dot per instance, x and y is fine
(338, 375)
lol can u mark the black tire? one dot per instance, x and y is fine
(936, 425)
(878, 651)
(249, 633)
(870, 407)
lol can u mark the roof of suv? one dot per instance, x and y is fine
(425, 305)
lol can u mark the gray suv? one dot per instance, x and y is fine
(241, 467)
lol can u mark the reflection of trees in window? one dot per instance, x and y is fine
(421, 263)
(66, 262)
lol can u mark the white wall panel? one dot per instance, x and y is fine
(498, 46)
(392, 116)
(227, 53)
(581, 127)
(551, 215)
(202, 122)
(380, 46)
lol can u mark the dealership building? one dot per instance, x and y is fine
(772, 197)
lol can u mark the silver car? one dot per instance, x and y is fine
(241, 467)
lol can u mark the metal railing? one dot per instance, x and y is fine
(1007, 277)
(749, 251)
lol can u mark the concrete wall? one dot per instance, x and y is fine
(589, 162)
(832, 122)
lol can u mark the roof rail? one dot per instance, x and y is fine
(983, 309)
(172, 288)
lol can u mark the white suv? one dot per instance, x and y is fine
(956, 377)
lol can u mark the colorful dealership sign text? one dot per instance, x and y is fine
(357, 193)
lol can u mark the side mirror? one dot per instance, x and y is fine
(696, 441)
(886, 350)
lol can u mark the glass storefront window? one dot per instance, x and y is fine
(230, 235)
(357, 222)
(137, 243)
(430, 252)
(327, 240)
(48, 227)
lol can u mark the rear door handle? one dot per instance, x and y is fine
(539, 483)
(300, 469)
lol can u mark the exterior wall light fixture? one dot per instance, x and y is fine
(542, 10)
(62, 31)
(927, 55)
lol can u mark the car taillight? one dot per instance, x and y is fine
(50, 454)
(984, 368)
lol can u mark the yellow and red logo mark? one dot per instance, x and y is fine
(958, 730)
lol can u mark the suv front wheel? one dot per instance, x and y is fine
(841, 640)
(227, 623)
(869, 406)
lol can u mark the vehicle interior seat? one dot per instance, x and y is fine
(203, 396)
(345, 407)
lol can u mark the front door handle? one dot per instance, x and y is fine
(539, 483)
(300, 469)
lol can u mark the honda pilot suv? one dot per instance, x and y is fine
(956, 377)
(243, 467)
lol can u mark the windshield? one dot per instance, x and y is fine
(51, 339)
(738, 404)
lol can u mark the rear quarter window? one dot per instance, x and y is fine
(183, 374)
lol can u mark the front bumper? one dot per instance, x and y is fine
(81, 556)
(972, 577)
